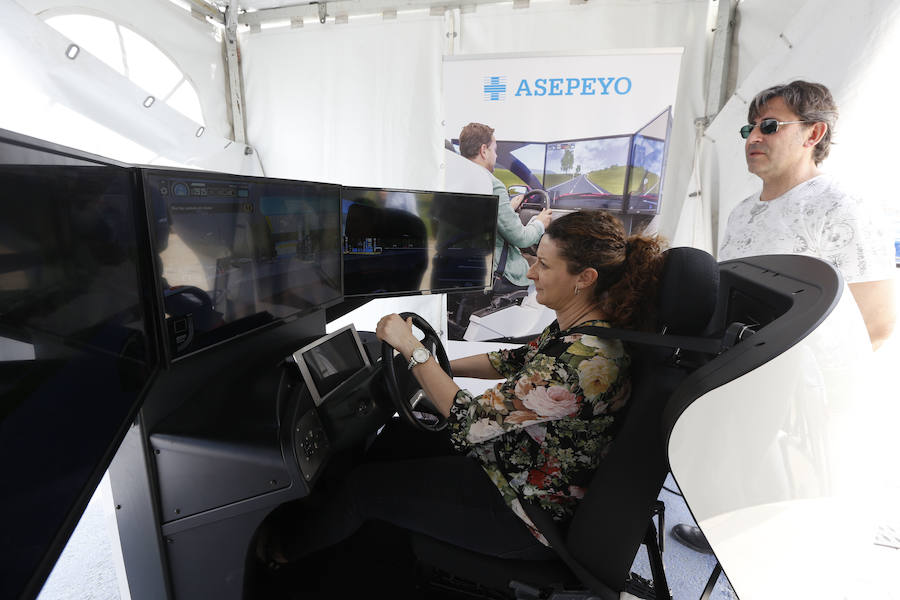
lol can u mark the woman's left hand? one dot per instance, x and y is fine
(397, 332)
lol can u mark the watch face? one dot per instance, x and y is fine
(420, 355)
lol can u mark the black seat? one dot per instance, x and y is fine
(611, 522)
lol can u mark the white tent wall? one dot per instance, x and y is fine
(356, 104)
(193, 44)
(359, 103)
(62, 96)
(851, 48)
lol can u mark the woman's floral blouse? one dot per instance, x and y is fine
(542, 432)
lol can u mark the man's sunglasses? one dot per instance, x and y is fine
(766, 127)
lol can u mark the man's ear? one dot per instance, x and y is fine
(816, 133)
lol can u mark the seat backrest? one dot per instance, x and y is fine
(611, 520)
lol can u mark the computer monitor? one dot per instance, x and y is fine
(75, 355)
(520, 163)
(648, 161)
(238, 253)
(409, 242)
(588, 173)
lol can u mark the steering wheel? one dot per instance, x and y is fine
(532, 195)
(525, 214)
(411, 402)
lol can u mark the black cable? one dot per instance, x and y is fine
(673, 491)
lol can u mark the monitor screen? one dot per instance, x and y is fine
(331, 360)
(75, 356)
(587, 173)
(406, 242)
(648, 160)
(236, 253)
(520, 163)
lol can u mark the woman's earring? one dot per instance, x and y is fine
(577, 290)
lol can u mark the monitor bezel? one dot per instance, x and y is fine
(298, 358)
(147, 170)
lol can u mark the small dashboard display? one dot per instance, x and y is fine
(330, 361)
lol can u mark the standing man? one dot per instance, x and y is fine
(800, 210)
(477, 143)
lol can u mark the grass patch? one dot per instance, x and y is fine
(612, 179)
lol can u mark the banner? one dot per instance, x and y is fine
(550, 97)
(573, 132)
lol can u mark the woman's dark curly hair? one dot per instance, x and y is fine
(628, 267)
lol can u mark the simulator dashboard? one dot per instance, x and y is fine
(150, 315)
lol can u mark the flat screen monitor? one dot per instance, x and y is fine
(648, 161)
(75, 356)
(408, 242)
(520, 163)
(588, 173)
(238, 253)
(330, 361)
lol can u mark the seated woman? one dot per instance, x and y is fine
(538, 435)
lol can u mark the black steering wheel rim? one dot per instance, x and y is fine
(392, 378)
(537, 192)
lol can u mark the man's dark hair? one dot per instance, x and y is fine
(809, 101)
(472, 137)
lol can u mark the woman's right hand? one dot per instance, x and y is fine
(398, 333)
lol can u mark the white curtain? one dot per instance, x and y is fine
(356, 104)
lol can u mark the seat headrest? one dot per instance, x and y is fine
(688, 290)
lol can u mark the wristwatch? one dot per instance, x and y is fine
(419, 356)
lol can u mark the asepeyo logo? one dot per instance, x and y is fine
(495, 88)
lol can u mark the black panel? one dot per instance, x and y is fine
(74, 350)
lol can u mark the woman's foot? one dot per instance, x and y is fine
(268, 548)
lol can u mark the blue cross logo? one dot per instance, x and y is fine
(495, 88)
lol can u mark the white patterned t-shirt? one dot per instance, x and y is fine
(815, 218)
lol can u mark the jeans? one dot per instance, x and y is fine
(449, 498)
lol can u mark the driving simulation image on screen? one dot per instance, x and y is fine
(235, 253)
(587, 173)
(648, 160)
(398, 241)
(520, 163)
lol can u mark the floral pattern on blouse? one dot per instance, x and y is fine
(541, 433)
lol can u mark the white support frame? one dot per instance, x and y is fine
(235, 87)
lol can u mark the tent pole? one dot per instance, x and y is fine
(717, 86)
(233, 65)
